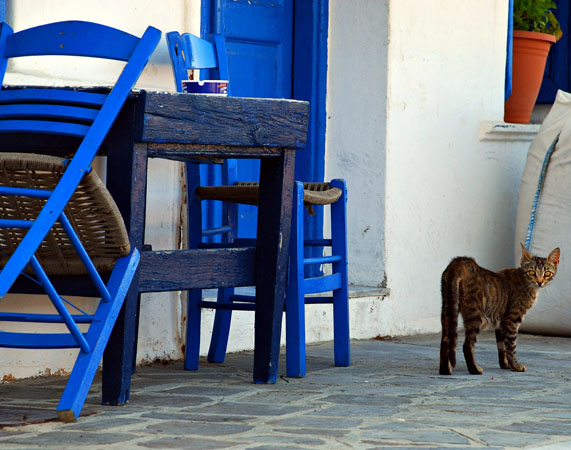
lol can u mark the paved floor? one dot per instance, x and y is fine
(391, 397)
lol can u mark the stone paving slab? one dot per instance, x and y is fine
(391, 397)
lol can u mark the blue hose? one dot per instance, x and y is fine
(538, 191)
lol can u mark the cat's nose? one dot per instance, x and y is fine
(540, 283)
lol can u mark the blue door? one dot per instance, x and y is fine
(277, 49)
(259, 40)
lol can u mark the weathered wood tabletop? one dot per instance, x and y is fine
(187, 127)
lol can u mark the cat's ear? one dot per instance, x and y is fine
(554, 256)
(525, 255)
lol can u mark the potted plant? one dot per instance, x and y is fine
(535, 29)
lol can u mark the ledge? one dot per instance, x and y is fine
(354, 292)
(502, 131)
(367, 291)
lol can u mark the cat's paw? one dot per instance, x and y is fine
(518, 367)
(445, 369)
(476, 370)
(504, 363)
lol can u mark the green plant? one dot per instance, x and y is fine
(536, 15)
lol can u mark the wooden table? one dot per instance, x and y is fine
(185, 127)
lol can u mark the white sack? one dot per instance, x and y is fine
(552, 313)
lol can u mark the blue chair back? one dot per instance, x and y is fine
(189, 52)
(86, 115)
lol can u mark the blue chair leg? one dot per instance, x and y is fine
(340, 296)
(81, 378)
(221, 328)
(192, 349)
(295, 297)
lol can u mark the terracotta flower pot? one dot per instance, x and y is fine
(530, 52)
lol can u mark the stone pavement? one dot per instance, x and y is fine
(391, 397)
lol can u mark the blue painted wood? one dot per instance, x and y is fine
(340, 296)
(509, 51)
(322, 260)
(557, 73)
(62, 112)
(37, 340)
(41, 318)
(72, 37)
(323, 284)
(77, 387)
(311, 24)
(52, 96)
(55, 112)
(83, 157)
(259, 45)
(299, 286)
(294, 304)
(225, 304)
(221, 326)
(309, 77)
(189, 52)
(59, 305)
(40, 126)
(38, 193)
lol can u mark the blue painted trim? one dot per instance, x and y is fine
(311, 24)
(509, 51)
(557, 74)
(2, 10)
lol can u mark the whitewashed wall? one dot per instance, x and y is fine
(409, 83)
(447, 192)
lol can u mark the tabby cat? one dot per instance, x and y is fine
(490, 299)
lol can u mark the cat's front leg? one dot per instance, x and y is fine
(502, 355)
(509, 331)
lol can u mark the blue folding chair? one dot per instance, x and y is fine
(189, 52)
(56, 216)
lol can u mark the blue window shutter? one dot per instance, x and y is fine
(558, 67)
(509, 51)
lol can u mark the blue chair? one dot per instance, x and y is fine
(57, 218)
(189, 52)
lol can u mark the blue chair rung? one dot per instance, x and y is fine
(322, 260)
(42, 318)
(322, 284)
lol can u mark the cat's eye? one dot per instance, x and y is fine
(531, 273)
(548, 273)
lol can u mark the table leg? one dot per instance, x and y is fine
(274, 225)
(127, 183)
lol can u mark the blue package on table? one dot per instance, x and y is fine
(219, 87)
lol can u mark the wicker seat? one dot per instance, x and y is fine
(91, 210)
(247, 193)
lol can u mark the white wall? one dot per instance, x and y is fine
(447, 192)
(356, 127)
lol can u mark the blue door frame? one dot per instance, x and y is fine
(309, 82)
